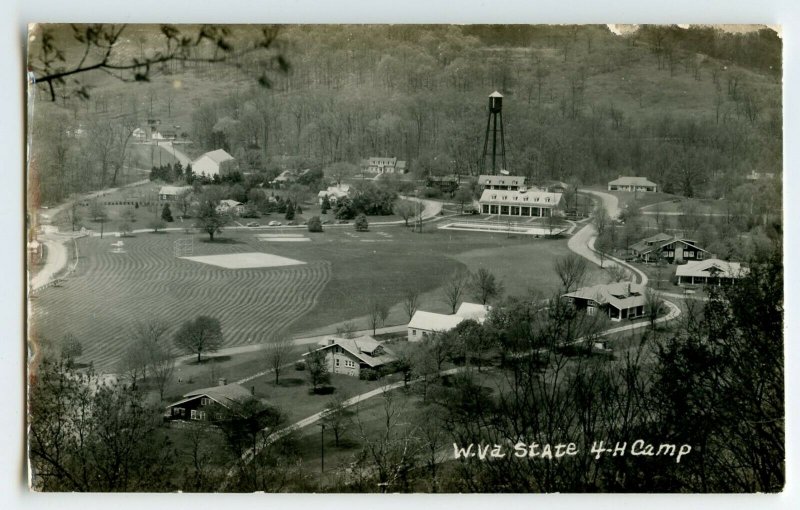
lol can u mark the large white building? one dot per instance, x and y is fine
(710, 271)
(521, 202)
(424, 323)
(383, 165)
(209, 163)
(624, 183)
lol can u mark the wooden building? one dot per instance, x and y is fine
(349, 356)
(667, 247)
(520, 203)
(202, 404)
(619, 301)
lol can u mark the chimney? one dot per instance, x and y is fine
(222, 381)
(330, 341)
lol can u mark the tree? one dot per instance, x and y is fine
(166, 214)
(317, 368)
(325, 205)
(485, 286)
(410, 303)
(55, 61)
(377, 314)
(86, 435)
(184, 202)
(209, 220)
(571, 270)
(290, 210)
(603, 246)
(125, 229)
(74, 214)
(600, 218)
(97, 211)
(461, 197)
(70, 348)
(162, 368)
(617, 273)
(203, 334)
(654, 306)
(405, 210)
(337, 417)
(155, 224)
(277, 353)
(315, 224)
(347, 330)
(454, 290)
(361, 223)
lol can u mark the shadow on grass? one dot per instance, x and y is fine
(222, 240)
(290, 382)
(322, 390)
(203, 361)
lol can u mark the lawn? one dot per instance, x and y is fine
(344, 272)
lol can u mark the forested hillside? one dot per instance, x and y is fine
(695, 110)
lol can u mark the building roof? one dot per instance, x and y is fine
(620, 295)
(495, 94)
(217, 156)
(712, 267)
(502, 180)
(173, 190)
(430, 321)
(337, 191)
(383, 161)
(474, 311)
(365, 348)
(632, 181)
(521, 197)
(224, 395)
(660, 240)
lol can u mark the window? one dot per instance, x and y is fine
(205, 401)
(194, 414)
(494, 197)
(337, 362)
(413, 332)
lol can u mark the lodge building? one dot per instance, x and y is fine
(520, 203)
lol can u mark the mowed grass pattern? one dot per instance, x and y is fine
(110, 291)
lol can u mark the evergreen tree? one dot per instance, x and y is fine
(289, 210)
(166, 214)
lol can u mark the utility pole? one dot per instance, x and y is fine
(322, 449)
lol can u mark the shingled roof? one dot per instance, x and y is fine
(620, 295)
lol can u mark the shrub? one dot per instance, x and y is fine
(369, 374)
(315, 224)
(362, 225)
(300, 365)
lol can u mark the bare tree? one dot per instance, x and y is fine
(337, 416)
(101, 48)
(377, 314)
(162, 369)
(654, 306)
(347, 330)
(454, 290)
(485, 286)
(405, 210)
(277, 353)
(410, 303)
(571, 270)
(617, 273)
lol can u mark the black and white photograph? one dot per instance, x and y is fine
(404, 258)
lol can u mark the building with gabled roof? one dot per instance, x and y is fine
(502, 181)
(210, 163)
(349, 356)
(384, 165)
(668, 247)
(622, 300)
(627, 183)
(521, 203)
(202, 403)
(710, 272)
(424, 323)
(171, 192)
(334, 193)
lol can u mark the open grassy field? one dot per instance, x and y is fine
(344, 272)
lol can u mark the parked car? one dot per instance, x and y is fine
(254, 224)
(342, 222)
(274, 223)
(292, 223)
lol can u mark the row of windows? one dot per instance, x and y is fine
(515, 210)
(524, 199)
(348, 363)
(180, 412)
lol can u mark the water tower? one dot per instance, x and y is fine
(492, 122)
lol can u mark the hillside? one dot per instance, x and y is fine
(581, 103)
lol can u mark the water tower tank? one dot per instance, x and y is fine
(495, 102)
